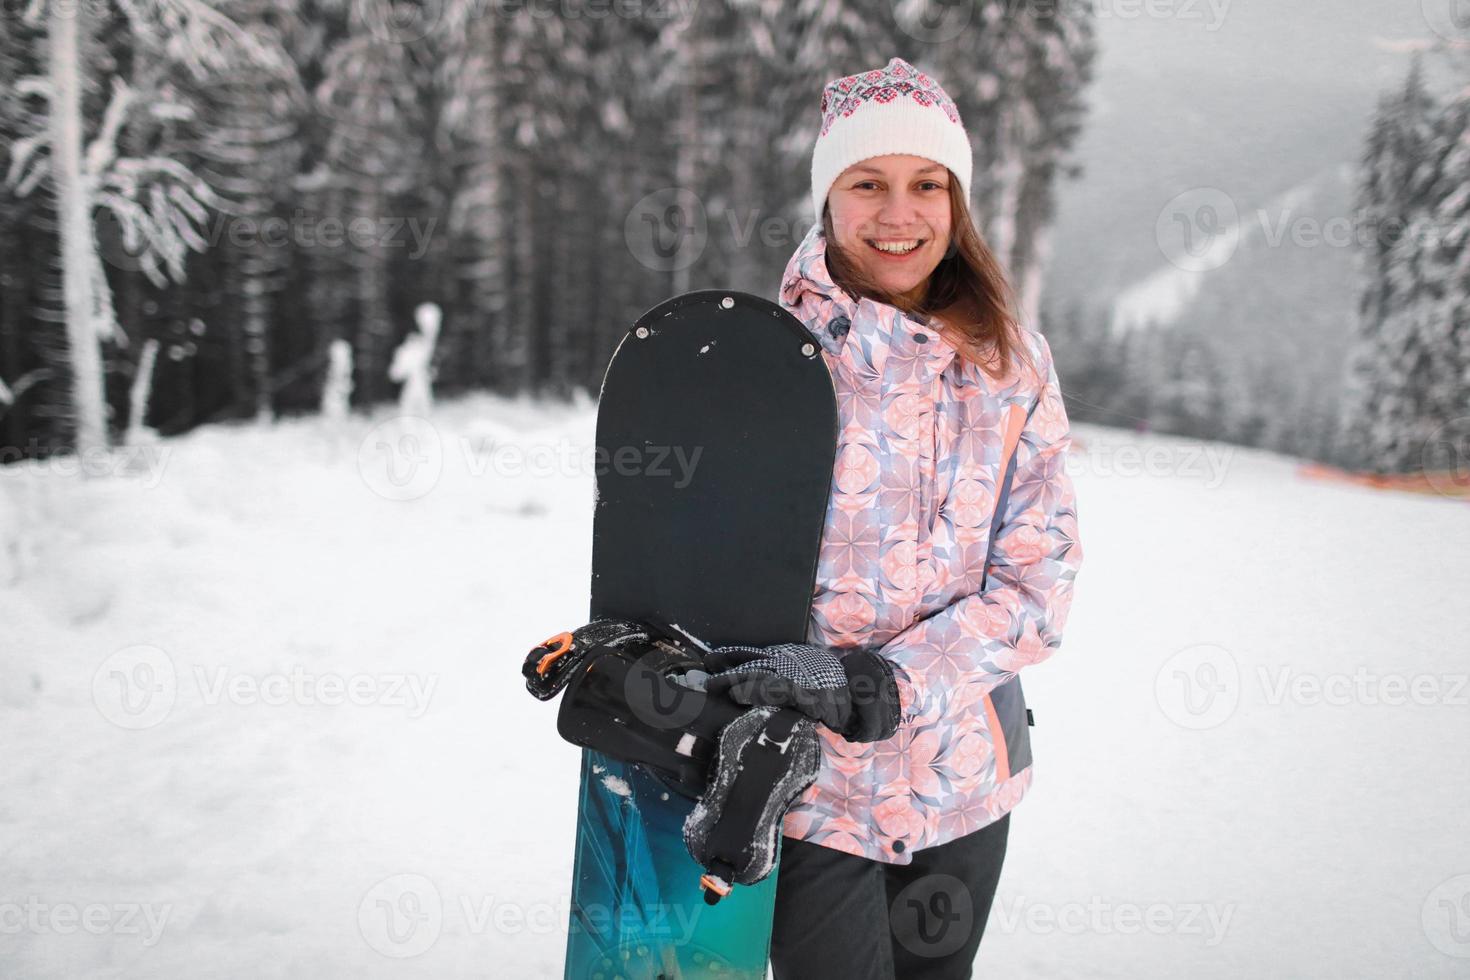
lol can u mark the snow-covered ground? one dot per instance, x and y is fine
(261, 715)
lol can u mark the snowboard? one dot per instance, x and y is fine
(716, 436)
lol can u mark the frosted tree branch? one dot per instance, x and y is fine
(104, 316)
(103, 150)
(24, 174)
(200, 37)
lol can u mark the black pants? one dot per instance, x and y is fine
(845, 917)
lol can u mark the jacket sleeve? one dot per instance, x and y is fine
(981, 640)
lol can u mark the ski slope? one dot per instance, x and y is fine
(261, 713)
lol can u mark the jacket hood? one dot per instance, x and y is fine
(840, 322)
(807, 290)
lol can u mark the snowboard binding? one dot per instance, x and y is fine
(635, 692)
(549, 667)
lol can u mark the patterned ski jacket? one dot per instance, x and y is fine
(921, 453)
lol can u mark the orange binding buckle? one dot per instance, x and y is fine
(717, 885)
(561, 643)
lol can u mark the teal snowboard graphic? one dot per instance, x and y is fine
(638, 911)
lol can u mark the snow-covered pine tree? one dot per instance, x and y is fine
(472, 127)
(249, 151)
(815, 41)
(370, 98)
(680, 81)
(17, 358)
(326, 274)
(39, 360)
(568, 119)
(710, 74)
(1442, 432)
(1017, 72)
(1407, 373)
(65, 29)
(323, 280)
(533, 126)
(633, 150)
(156, 202)
(736, 207)
(1397, 143)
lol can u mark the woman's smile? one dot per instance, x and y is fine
(897, 249)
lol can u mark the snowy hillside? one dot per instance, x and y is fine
(262, 717)
(1201, 230)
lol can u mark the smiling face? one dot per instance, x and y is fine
(891, 216)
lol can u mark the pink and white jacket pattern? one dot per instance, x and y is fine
(922, 450)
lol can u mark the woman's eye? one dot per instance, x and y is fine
(860, 185)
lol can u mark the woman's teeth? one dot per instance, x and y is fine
(897, 248)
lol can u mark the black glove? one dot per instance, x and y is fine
(854, 694)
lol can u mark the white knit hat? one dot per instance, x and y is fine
(895, 109)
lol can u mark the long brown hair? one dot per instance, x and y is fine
(968, 295)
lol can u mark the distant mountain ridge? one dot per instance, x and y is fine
(1276, 97)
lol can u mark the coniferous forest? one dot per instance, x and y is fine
(201, 199)
(264, 178)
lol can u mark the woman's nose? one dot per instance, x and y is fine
(898, 210)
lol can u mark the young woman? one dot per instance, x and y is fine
(936, 583)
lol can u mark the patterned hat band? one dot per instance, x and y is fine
(895, 109)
